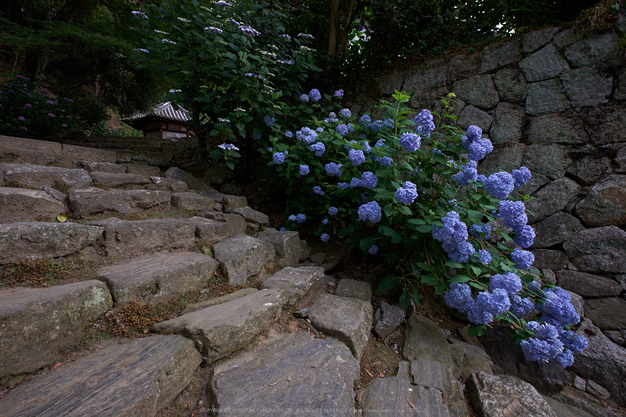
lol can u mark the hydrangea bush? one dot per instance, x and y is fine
(408, 192)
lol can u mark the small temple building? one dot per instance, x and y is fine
(163, 122)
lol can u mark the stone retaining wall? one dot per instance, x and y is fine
(554, 101)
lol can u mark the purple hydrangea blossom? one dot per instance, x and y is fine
(521, 176)
(545, 346)
(484, 257)
(355, 182)
(319, 129)
(338, 94)
(269, 120)
(508, 282)
(342, 129)
(410, 142)
(333, 211)
(315, 95)
(304, 169)
(356, 157)
(520, 307)
(342, 185)
(522, 258)
(345, 113)
(368, 148)
(478, 315)
(499, 185)
(292, 218)
(300, 218)
(289, 134)
(379, 143)
(318, 190)
(318, 148)
(525, 236)
(373, 250)
(304, 98)
(407, 193)
(278, 158)
(479, 149)
(325, 222)
(386, 161)
(306, 135)
(565, 358)
(474, 133)
(557, 308)
(369, 180)
(459, 296)
(370, 211)
(461, 252)
(325, 237)
(513, 214)
(496, 302)
(453, 230)
(469, 173)
(249, 31)
(572, 341)
(332, 168)
(480, 231)
(424, 121)
(365, 120)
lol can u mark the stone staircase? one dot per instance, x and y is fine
(148, 238)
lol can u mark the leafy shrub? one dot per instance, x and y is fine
(405, 191)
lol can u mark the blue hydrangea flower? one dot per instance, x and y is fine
(513, 214)
(424, 120)
(256, 135)
(565, 358)
(480, 231)
(315, 95)
(545, 346)
(345, 113)
(289, 134)
(453, 230)
(332, 168)
(325, 222)
(465, 142)
(342, 185)
(269, 120)
(521, 176)
(325, 237)
(370, 211)
(333, 211)
(410, 142)
(484, 257)
(368, 148)
(300, 218)
(474, 133)
(368, 180)
(459, 296)
(386, 161)
(318, 190)
(292, 218)
(304, 169)
(469, 173)
(479, 149)
(525, 236)
(365, 120)
(319, 129)
(522, 258)
(282, 229)
(478, 315)
(331, 120)
(520, 307)
(407, 193)
(342, 129)
(499, 185)
(380, 143)
(508, 282)
(557, 308)
(356, 157)
(306, 135)
(269, 148)
(355, 182)
(338, 94)
(278, 158)
(373, 250)
(572, 341)
(318, 148)
(461, 252)
(304, 98)
(496, 302)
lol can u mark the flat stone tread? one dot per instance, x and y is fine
(156, 265)
(133, 379)
(302, 278)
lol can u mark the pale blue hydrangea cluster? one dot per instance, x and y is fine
(319, 129)
(318, 148)
(425, 124)
(365, 120)
(368, 148)
(521, 176)
(342, 129)
(368, 180)
(484, 257)
(480, 231)
(499, 185)
(325, 222)
(304, 169)
(288, 134)
(453, 237)
(373, 250)
(338, 94)
(304, 98)
(386, 161)
(370, 211)
(478, 148)
(342, 185)
(522, 259)
(410, 142)
(333, 211)
(356, 157)
(379, 143)
(469, 173)
(315, 95)
(407, 193)
(278, 158)
(298, 218)
(345, 113)
(269, 121)
(325, 237)
(318, 190)
(332, 168)
(331, 119)
(306, 135)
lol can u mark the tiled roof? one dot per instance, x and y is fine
(165, 111)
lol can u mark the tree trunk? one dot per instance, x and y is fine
(334, 23)
(346, 29)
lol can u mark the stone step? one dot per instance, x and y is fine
(242, 256)
(20, 204)
(37, 176)
(158, 278)
(289, 250)
(38, 240)
(132, 379)
(102, 167)
(192, 202)
(39, 326)
(209, 232)
(290, 375)
(135, 238)
(222, 329)
(236, 222)
(296, 282)
(90, 200)
(114, 179)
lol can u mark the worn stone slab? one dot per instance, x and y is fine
(598, 250)
(90, 166)
(496, 56)
(603, 361)
(290, 375)
(142, 169)
(551, 199)
(608, 313)
(252, 216)
(135, 238)
(620, 88)
(475, 359)
(192, 202)
(587, 87)
(38, 240)
(397, 397)
(590, 166)
(89, 200)
(222, 329)
(425, 340)
(478, 91)
(193, 182)
(20, 204)
(543, 65)
(218, 300)
(607, 123)
(506, 396)
(508, 124)
(546, 97)
(387, 319)
(471, 115)
(355, 289)
(287, 245)
(32, 144)
(157, 278)
(236, 222)
(14, 155)
(537, 39)
(564, 410)
(462, 65)
(388, 83)
(210, 232)
(39, 326)
(599, 51)
(242, 256)
(555, 229)
(503, 159)
(605, 204)
(549, 259)
(424, 77)
(550, 160)
(432, 374)
(113, 180)
(347, 319)
(83, 153)
(37, 176)
(555, 128)
(511, 85)
(167, 184)
(588, 285)
(567, 37)
(232, 202)
(132, 379)
(296, 281)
